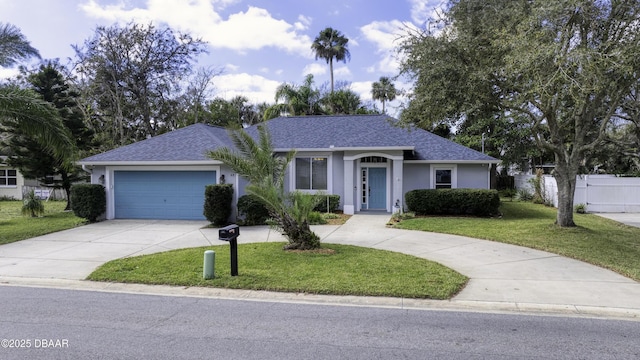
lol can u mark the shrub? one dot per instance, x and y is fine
(334, 202)
(453, 202)
(580, 209)
(316, 218)
(524, 195)
(217, 203)
(399, 216)
(252, 210)
(330, 216)
(89, 201)
(32, 205)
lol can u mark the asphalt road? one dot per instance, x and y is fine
(38, 323)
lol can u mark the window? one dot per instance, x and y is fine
(443, 179)
(8, 177)
(311, 173)
(444, 176)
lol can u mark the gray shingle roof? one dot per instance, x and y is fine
(364, 131)
(308, 132)
(190, 143)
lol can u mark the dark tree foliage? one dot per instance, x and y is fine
(557, 71)
(132, 76)
(36, 161)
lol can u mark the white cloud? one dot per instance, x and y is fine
(7, 73)
(386, 36)
(303, 22)
(256, 88)
(231, 67)
(423, 11)
(362, 88)
(252, 29)
(315, 69)
(342, 72)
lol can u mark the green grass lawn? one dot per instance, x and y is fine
(15, 227)
(595, 240)
(337, 270)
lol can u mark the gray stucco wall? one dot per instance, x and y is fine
(416, 176)
(473, 176)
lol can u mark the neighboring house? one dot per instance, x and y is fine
(365, 159)
(14, 186)
(11, 181)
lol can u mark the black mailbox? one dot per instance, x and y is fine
(229, 233)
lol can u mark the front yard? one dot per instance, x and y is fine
(595, 240)
(15, 227)
(335, 270)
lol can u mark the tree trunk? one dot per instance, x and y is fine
(331, 71)
(566, 179)
(66, 185)
(300, 235)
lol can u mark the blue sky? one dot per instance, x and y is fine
(259, 44)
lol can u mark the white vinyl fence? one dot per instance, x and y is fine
(600, 193)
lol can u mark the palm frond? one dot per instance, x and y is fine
(38, 118)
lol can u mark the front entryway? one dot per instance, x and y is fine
(374, 188)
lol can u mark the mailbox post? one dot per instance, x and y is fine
(230, 233)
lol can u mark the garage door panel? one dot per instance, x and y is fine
(161, 194)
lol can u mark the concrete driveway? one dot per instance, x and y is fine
(75, 253)
(631, 219)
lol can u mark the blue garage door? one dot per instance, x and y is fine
(161, 194)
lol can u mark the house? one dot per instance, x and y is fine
(365, 159)
(13, 185)
(11, 181)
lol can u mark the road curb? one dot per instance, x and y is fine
(566, 310)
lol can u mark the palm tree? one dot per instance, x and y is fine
(256, 162)
(296, 100)
(331, 44)
(383, 90)
(14, 46)
(24, 108)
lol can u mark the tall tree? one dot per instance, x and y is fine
(296, 100)
(383, 90)
(256, 161)
(24, 108)
(195, 97)
(563, 67)
(330, 44)
(33, 159)
(133, 75)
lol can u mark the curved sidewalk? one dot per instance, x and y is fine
(502, 277)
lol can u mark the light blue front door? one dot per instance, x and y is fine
(377, 188)
(175, 195)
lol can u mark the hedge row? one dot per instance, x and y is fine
(453, 202)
